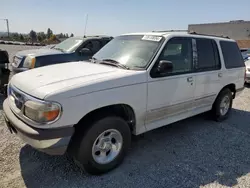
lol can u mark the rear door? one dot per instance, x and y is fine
(208, 73)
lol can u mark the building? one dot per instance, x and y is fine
(238, 30)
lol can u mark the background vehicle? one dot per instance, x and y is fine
(247, 63)
(245, 53)
(135, 83)
(71, 49)
(4, 70)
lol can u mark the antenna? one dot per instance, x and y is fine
(85, 25)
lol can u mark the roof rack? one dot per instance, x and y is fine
(194, 33)
(180, 30)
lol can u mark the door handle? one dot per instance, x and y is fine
(220, 74)
(190, 79)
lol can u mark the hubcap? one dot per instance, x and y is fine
(107, 146)
(224, 105)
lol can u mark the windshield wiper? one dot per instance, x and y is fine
(114, 63)
(59, 49)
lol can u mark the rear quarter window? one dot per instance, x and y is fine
(232, 55)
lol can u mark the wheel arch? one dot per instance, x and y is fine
(231, 87)
(124, 111)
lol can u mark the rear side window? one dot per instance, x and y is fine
(232, 55)
(207, 54)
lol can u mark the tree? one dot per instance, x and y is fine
(52, 39)
(66, 36)
(15, 36)
(61, 35)
(49, 33)
(41, 36)
(33, 36)
(72, 35)
(21, 38)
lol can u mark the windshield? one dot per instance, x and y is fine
(134, 51)
(69, 45)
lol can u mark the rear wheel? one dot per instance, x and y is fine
(223, 105)
(103, 146)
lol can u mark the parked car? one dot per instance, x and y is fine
(247, 78)
(245, 53)
(4, 71)
(71, 49)
(135, 83)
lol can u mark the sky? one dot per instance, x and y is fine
(114, 17)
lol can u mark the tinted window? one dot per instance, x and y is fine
(231, 54)
(96, 46)
(179, 52)
(105, 41)
(207, 54)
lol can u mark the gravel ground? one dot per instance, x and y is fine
(12, 49)
(196, 152)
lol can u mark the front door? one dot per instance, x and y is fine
(171, 96)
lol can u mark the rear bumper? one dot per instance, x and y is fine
(50, 141)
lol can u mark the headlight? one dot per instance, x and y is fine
(29, 62)
(42, 112)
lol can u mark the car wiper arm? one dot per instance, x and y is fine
(114, 62)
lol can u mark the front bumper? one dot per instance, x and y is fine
(50, 141)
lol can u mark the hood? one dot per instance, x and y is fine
(56, 79)
(38, 52)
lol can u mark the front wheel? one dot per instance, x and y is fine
(103, 146)
(223, 105)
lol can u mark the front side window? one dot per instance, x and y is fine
(69, 45)
(179, 52)
(134, 51)
(96, 46)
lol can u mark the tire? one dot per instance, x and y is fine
(84, 145)
(217, 112)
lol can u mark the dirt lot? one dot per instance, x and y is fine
(196, 152)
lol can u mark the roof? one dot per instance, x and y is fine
(178, 34)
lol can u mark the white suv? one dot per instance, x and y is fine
(136, 83)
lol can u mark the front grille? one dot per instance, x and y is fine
(16, 98)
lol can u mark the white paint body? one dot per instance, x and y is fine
(82, 87)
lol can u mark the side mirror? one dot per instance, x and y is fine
(85, 52)
(165, 67)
